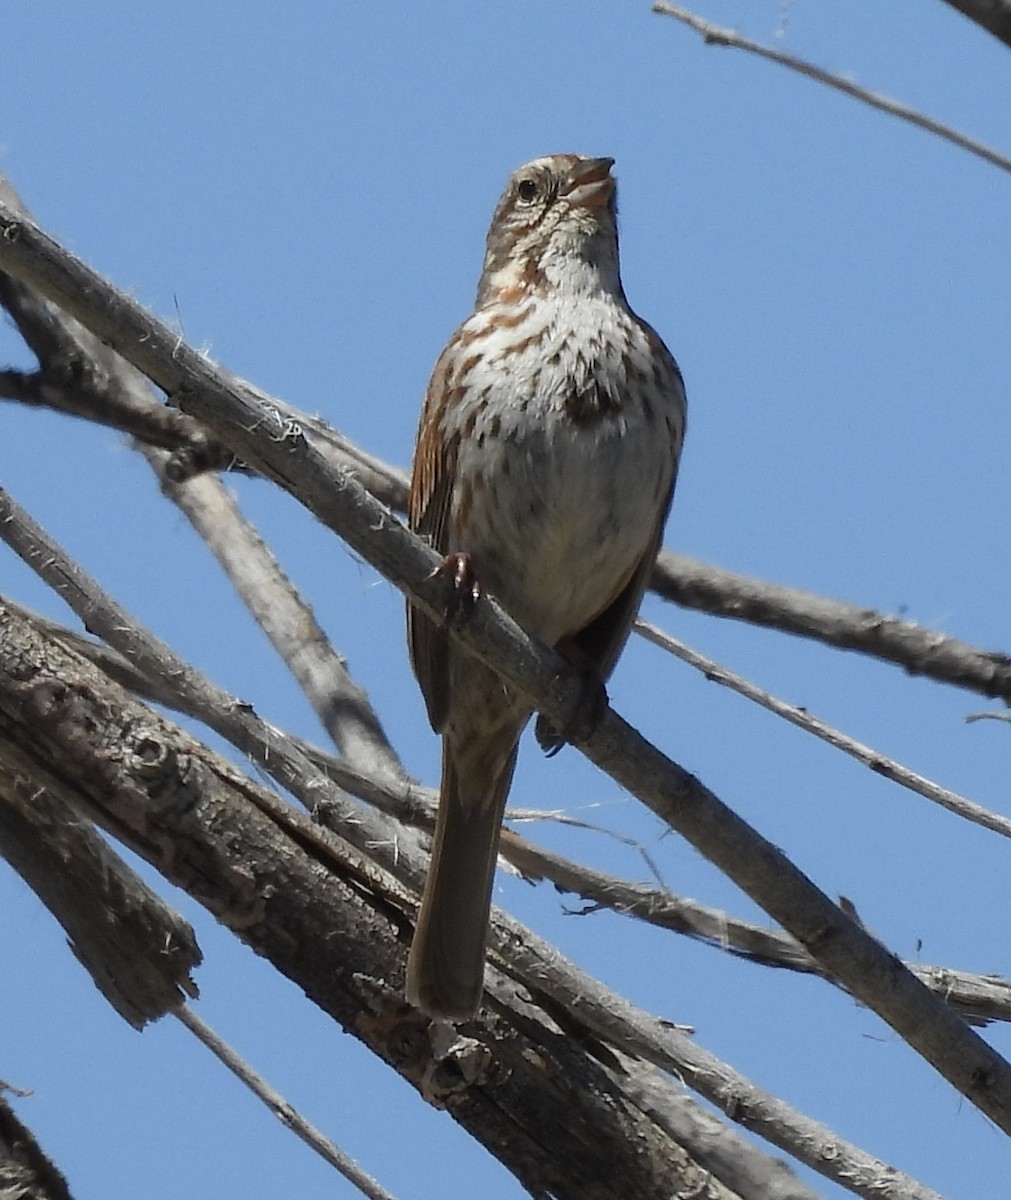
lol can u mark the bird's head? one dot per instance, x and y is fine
(555, 227)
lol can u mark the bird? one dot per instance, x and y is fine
(543, 471)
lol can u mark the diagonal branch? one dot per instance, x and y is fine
(279, 451)
(285, 617)
(587, 1010)
(726, 1153)
(137, 950)
(285, 1112)
(714, 35)
(802, 718)
(80, 376)
(979, 998)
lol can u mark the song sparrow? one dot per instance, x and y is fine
(546, 455)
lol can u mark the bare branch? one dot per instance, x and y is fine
(586, 1009)
(802, 718)
(728, 1155)
(918, 650)
(285, 1112)
(714, 35)
(987, 716)
(80, 376)
(150, 422)
(979, 998)
(280, 452)
(139, 952)
(387, 483)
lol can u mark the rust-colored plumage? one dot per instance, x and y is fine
(547, 453)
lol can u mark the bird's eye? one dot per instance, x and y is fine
(526, 189)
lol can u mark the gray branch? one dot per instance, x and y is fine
(803, 719)
(919, 651)
(715, 35)
(139, 952)
(285, 617)
(281, 1108)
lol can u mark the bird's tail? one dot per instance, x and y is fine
(445, 969)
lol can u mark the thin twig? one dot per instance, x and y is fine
(285, 1112)
(519, 816)
(978, 998)
(987, 716)
(802, 718)
(714, 35)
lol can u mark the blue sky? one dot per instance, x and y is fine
(305, 191)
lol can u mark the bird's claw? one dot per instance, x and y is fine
(582, 720)
(464, 591)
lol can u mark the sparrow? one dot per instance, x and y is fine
(544, 469)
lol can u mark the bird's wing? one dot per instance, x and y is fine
(431, 498)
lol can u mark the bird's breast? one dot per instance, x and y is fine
(569, 435)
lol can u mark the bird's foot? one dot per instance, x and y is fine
(585, 714)
(464, 589)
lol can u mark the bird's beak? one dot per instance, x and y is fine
(589, 184)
